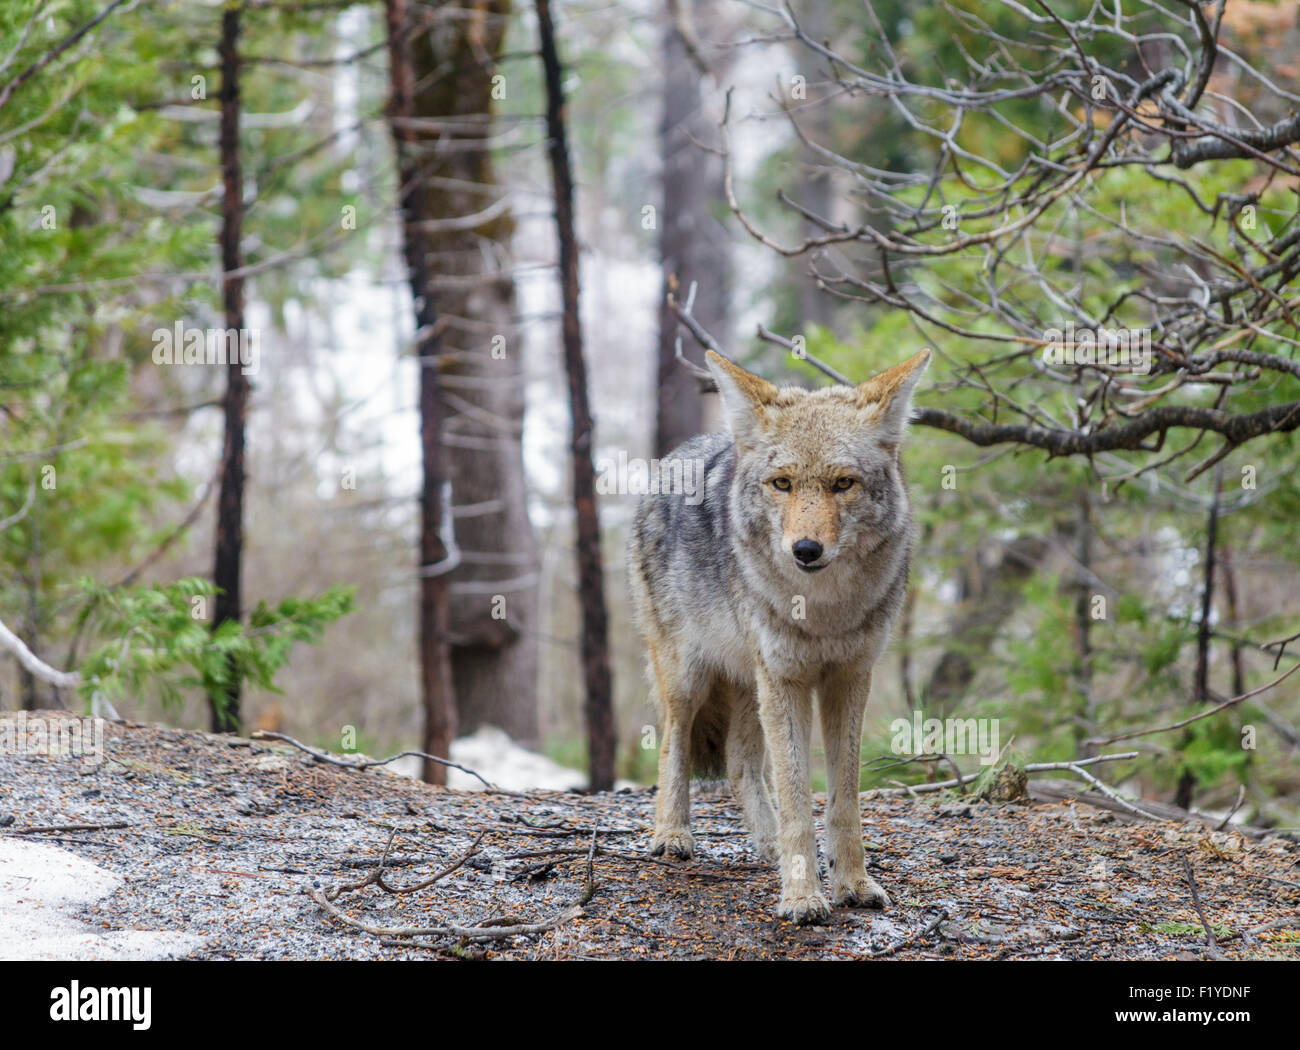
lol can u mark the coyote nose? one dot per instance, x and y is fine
(807, 551)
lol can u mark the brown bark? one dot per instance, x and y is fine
(814, 186)
(692, 243)
(493, 591)
(224, 699)
(437, 695)
(1234, 620)
(1201, 689)
(595, 644)
(1131, 434)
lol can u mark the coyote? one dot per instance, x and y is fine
(784, 581)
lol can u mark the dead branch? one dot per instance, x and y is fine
(1050, 790)
(469, 933)
(65, 827)
(1110, 793)
(1191, 301)
(1032, 767)
(904, 942)
(33, 664)
(1196, 901)
(362, 763)
(1103, 741)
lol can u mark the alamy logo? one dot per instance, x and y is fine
(1114, 347)
(75, 1003)
(55, 737)
(180, 345)
(947, 736)
(639, 477)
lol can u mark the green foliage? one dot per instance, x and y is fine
(151, 637)
(90, 263)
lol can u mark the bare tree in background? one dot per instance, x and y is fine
(437, 695)
(816, 186)
(224, 697)
(692, 243)
(466, 226)
(599, 707)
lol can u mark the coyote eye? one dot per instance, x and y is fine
(783, 484)
(842, 484)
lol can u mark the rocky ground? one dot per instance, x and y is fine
(208, 847)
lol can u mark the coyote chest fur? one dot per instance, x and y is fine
(776, 582)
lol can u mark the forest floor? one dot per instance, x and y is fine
(226, 848)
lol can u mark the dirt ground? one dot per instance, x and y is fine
(262, 852)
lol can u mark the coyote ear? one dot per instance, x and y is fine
(743, 395)
(888, 396)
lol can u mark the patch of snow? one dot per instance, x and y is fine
(490, 752)
(42, 886)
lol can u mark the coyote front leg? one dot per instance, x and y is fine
(843, 699)
(785, 709)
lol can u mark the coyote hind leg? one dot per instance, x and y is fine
(672, 833)
(746, 762)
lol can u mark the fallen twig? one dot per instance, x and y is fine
(1273, 878)
(1286, 922)
(1050, 790)
(691, 871)
(911, 938)
(589, 890)
(471, 933)
(1241, 797)
(1036, 947)
(1196, 902)
(1032, 767)
(65, 827)
(375, 877)
(1109, 792)
(366, 763)
(471, 852)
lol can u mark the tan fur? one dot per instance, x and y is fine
(743, 636)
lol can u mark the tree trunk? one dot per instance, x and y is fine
(493, 589)
(224, 698)
(692, 244)
(1087, 724)
(815, 188)
(1234, 619)
(437, 695)
(595, 644)
(1201, 680)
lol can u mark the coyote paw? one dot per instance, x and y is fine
(765, 847)
(675, 843)
(811, 908)
(862, 892)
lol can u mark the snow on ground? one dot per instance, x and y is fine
(41, 885)
(491, 753)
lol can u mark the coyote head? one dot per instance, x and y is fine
(817, 471)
